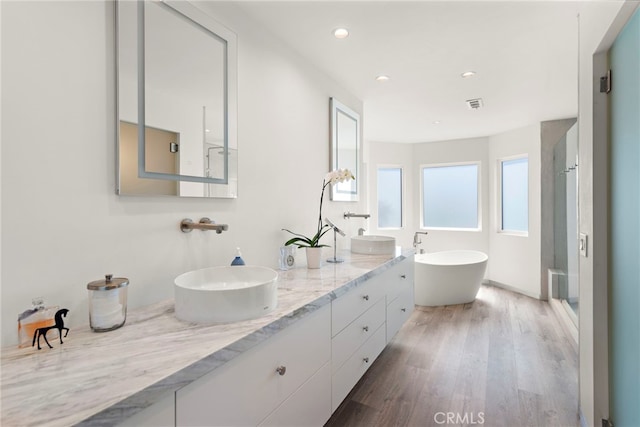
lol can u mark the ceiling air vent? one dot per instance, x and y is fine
(474, 104)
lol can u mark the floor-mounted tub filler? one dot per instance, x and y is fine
(449, 277)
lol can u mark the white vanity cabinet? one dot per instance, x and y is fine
(293, 367)
(281, 378)
(308, 406)
(348, 307)
(345, 343)
(354, 368)
(400, 299)
(299, 376)
(364, 321)
(358, 320)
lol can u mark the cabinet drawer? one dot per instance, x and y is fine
(398, 311)
(353, 336)
(348, 375)
(310, 405)
(398, 278)
(246, 389)
(355, 302)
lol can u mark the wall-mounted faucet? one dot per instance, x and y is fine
(187, 224)
(416, 238)
(361, 231)
(355, 215)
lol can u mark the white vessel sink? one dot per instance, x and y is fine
(225, 294)
(373, 245)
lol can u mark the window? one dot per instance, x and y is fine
(450, 196)
(514, 185)
(389, 197)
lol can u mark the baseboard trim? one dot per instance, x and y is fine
(511, 288)
(560, 308)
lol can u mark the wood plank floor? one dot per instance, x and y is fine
(503, 360)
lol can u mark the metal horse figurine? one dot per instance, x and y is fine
(42, 332)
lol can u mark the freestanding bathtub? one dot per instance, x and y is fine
(449, 277)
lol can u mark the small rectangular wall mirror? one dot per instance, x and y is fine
(176, 75)
(345, 149)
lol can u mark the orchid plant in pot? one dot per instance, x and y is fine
(313, 243)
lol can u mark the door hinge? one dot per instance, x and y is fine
(607, 423)
(605, 83)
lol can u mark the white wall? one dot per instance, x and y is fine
(516, 259)
(62, 224)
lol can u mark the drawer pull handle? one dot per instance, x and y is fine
(366, 297)
(403, 276)
(366, 360)
(403, 310)
(366, 329)
(281, 370)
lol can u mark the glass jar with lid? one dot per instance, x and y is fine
(107, 303)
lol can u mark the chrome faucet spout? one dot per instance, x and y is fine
(361, 231)
(187, 225)
(355, 215)
(416, 238)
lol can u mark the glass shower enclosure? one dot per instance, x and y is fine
(566, 221)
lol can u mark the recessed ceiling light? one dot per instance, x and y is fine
(468, 74)
(341, 33)
(436, 122)
(382, 78)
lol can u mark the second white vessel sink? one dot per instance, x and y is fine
(225, 294)
(373, 245)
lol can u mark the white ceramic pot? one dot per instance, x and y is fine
(314, 257)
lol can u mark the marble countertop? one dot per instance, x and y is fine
(104, 378)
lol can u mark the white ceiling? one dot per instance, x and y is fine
(525, 55)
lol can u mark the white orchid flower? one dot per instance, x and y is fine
(333, 177)
(339, 175)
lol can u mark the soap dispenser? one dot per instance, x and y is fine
(238, 259)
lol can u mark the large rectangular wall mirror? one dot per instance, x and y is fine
(345, 149)
(177, 101)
